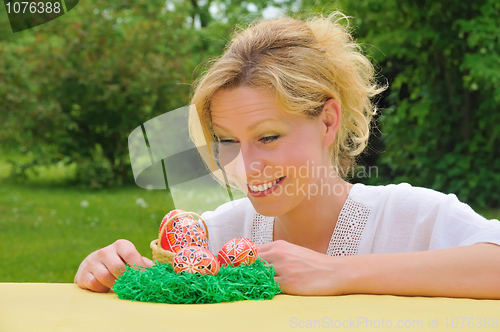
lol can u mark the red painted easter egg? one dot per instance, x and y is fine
(169, 215)
(238, 251)
(181, 231)
(195, 260)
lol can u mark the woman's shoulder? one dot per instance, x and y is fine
(405, 202)
(406, 218)
(373, 196)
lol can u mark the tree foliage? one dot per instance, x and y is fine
(441, 122)
(73, 90)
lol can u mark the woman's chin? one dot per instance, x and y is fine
(267, 209)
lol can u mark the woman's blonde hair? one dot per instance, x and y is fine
(303, 63)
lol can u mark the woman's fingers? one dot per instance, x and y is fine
(129, 255)
(97, 286)
(87, 280)
(94, 284)
(302, 271)
(147, 262)
(98, 272)
(108, 264)
(272, 251)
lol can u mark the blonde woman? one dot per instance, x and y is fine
(288, 108)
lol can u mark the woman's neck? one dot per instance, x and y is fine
(312, 222)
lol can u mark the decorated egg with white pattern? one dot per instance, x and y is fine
(238, 251)
(179, 230)
(197, 260)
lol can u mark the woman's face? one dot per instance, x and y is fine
(270, 154)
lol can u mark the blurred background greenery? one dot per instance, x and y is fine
(73, 89)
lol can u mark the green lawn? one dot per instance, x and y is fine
(47, 227)
(46, 230)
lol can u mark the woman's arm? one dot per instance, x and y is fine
(469, 272)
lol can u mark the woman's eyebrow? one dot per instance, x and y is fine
(250, 127)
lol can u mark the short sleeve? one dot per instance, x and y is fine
(408, 219)
(460, 225)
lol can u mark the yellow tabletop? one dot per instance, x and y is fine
(66, 307)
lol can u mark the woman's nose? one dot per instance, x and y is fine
(249, 168)
(246, 165)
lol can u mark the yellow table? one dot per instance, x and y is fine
(65, 307)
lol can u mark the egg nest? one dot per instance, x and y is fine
(160, 284)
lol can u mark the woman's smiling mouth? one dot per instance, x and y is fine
(265, 188)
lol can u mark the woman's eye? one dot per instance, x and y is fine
(226, 141)
(268, 139)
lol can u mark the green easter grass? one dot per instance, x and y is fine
(160, 284)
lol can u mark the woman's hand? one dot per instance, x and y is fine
(301, 271)
(100, 269)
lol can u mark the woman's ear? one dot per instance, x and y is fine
(331, 120)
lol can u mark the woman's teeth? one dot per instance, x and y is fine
(265, 186)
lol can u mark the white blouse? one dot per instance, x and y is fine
(374, 219)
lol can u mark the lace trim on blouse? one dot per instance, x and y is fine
(346, 235)
(262, 229)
